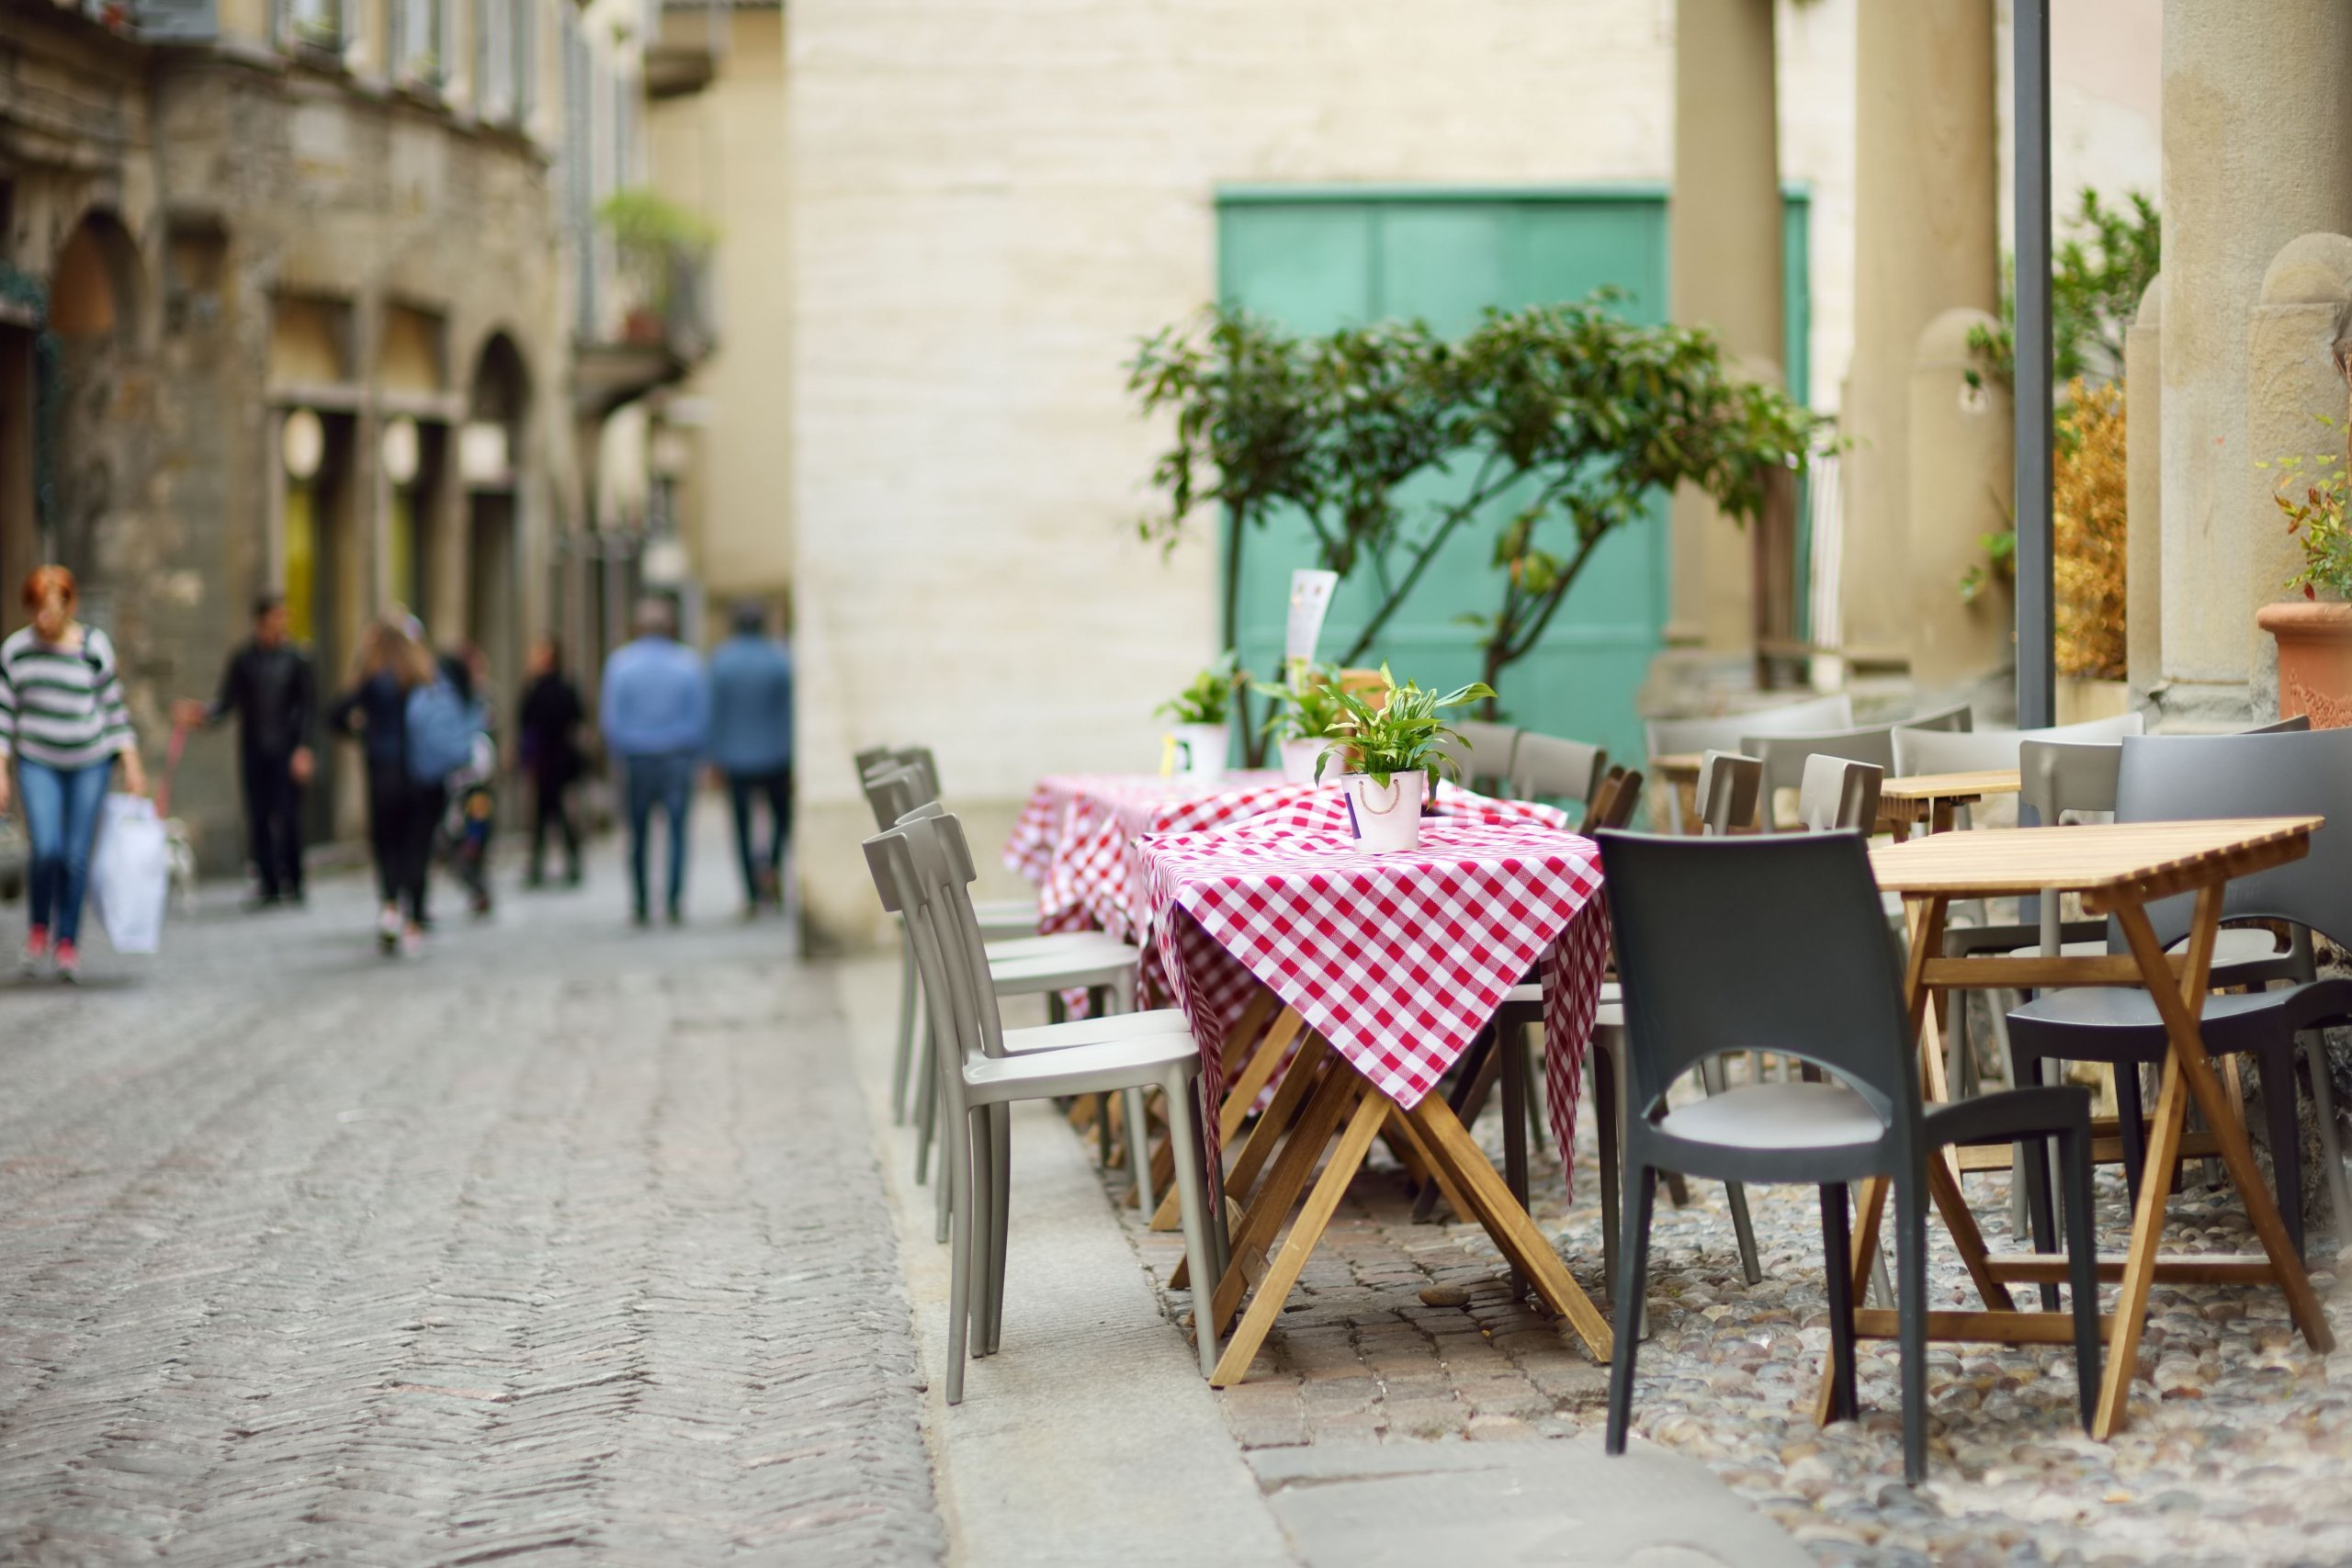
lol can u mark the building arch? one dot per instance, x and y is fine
(98, 285)
(494, 465)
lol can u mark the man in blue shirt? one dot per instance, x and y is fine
(751, 743)
(654, 709)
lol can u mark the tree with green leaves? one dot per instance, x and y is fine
(1573, 415)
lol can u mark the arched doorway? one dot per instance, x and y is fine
(492, 458)
(98, 457)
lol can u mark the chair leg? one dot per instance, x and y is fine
(903, 1061)
(1000, 1222)
(1530, 1045)
(2033, 1164)
(1605, 1114)
(2131, 1126)
(1911, 1313)
(1837, 1247)
(2286, 1132)
(926, 1102)
(2081, 1265)
(2331, 1141)
(1191, 1195)
(1140, 1151)
(1735, 1192)
(1632, 1282)
(1513, 1057)
(980, 1154)
(959, 1257)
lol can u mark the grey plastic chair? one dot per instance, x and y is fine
(1784, 754)
(1838, 792)
(1966, 751)
(1777, 942)
(2182, 777)
(1545, 767)
(1670, 737)
(1729, 786)
(923, 870)
(1483, 757)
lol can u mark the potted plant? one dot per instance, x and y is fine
(1305, 707)
(1394, 742)
(654, 240)
(2314, 633)
(1204, 715)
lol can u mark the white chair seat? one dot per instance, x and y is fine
(1775, 1116)
(2231, 944)
(1062, 972)
(1530, 994)
(1059, 944)
(1079, 1069)
(1099, 1031)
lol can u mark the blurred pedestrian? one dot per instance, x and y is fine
(547, 728)
(402, 812)
(62, 717)
(473, 788)
(267, 685)
(750, 745)
(654, 709)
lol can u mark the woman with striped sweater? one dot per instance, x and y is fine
(62, 717)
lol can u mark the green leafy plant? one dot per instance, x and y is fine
(2312, 493)
(1305, 706)
(1208, 699)
(1401, 733)
(1388, 441)
(654, 238)
(2098, 274)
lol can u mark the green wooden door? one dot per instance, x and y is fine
(1314, 260)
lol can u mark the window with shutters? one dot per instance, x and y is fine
(312, 24)
(418, 41)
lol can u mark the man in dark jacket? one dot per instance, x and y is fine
(269, 687)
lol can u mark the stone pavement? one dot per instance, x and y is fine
(562, 1240)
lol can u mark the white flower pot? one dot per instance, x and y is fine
(1298, 761)
(1204, 746)
(1388, 816)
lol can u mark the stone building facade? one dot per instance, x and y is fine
(298, 295)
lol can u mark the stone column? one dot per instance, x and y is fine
(1724, 261)
(2257, 148)
(2291, 385)
(2144, 408)
(1962, 446)
(1926, 240)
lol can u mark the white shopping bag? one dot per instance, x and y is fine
(130, 873)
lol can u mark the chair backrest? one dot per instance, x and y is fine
(1958, 718)
(1483, 751)
(1613, 801)
(1785, 756)
(2282, 774)
(921, 759)
(1545, 767)
(2059, 776)
(1837, 793)
(895, 791)
(1773, 942)
(2295, 726)
(1728, 785)
(940, 859)
(872, 758)
(1673, 737)
(1966, 751)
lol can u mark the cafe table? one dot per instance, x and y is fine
(1392, 963)
(2119, 869)
(1931, 798)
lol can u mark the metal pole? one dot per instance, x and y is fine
(2036, 627)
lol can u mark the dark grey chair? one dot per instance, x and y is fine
(1779, 943)
(2179, 777)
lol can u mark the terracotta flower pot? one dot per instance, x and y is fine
(2314, 660)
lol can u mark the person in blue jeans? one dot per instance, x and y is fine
(750, 745)
(654, 710)
(63, 718)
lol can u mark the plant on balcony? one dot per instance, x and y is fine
(655, 239)
(1399, 733)
(1388, 441)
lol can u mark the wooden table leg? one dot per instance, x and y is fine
(1289, 1096)
(1240, 1041)
(1451, 1142)
(1290, 1168)
(1273, 1290)
(2189, 1074)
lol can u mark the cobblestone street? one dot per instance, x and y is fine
(561, 1239)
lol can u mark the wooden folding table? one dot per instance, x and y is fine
(1931, 797)
(2119, 869)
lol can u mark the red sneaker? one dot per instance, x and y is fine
(36, 949)
(69, 963)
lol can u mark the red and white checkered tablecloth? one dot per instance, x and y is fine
(1065, 807)
(1397, 960)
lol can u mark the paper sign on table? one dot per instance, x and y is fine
(1310, 600)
